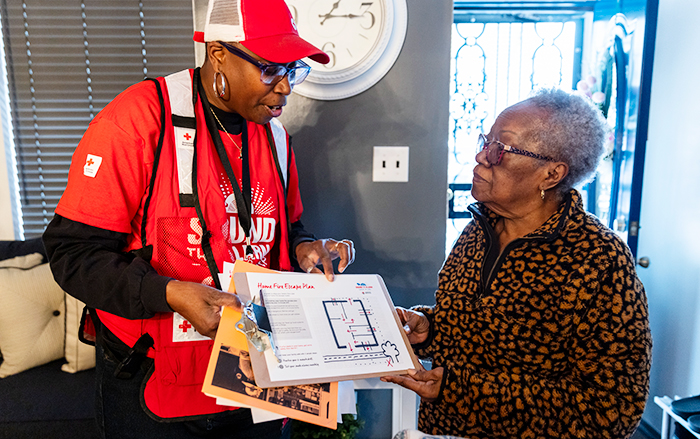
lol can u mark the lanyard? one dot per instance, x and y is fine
(242, 195)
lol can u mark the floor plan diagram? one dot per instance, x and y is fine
(350, 323)
(353, 332)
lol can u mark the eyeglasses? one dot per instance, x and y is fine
(495, 151)
(271, 73)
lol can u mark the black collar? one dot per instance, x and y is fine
(232, 122)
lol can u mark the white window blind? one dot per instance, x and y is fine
(65, 62)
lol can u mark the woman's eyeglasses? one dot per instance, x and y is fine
(495, 151)
(271, 73)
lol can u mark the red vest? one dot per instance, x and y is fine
(174, 389)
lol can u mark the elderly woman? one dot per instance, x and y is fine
(540, 327)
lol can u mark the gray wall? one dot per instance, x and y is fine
(398, 228)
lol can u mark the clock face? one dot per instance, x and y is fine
(349, 31)
(361, 37)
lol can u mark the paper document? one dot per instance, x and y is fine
(230, 377)
(326, 331)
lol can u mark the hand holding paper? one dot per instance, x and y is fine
(200, 304)
(426, 383)
(415, 324)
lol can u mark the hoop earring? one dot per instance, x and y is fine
(542, 193)
(218, 76)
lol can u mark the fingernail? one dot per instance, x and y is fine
(340, 270)
(308, 270)
(331, 277)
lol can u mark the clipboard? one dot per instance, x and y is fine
(227, 379)
(353, 329)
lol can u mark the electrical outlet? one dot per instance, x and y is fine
(390, 163)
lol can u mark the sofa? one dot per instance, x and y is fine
(47, 376)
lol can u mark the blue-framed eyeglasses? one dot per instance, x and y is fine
(271, 73)
(495, 151)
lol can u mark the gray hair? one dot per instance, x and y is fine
(572, 130)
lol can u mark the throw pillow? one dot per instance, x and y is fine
(24, 261)
(32, 325)
(79, 356)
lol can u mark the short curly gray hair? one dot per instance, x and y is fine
(572, 130)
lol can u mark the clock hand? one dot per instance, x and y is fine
(327, 16)
(330, 13)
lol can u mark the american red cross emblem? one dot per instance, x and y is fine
(185, 326)
(89, 162)
(187, 136)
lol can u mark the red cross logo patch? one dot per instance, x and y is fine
(92, 165)
(184, 331)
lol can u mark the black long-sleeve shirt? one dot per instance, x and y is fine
(89, 264)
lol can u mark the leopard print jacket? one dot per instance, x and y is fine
(553, 343)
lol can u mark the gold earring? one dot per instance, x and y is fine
(542, 193)
(219, 77)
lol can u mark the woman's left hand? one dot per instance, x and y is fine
(426, 383)
(323, 252)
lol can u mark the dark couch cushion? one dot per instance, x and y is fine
(46, 393)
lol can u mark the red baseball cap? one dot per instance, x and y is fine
(265, 27)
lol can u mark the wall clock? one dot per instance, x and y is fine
(363, 38)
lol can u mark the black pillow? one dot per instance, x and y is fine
(10, 249)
